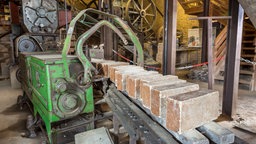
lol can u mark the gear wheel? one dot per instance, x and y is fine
(40, 15)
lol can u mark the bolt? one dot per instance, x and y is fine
(146, 131)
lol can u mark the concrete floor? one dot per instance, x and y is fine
(246, 113)
(13, 120)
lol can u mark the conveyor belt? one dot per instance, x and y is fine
(135, 121)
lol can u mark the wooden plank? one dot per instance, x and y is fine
(221, 37)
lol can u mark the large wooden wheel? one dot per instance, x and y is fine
(141, 14)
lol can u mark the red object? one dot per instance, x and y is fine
(62, 17)
(14, 10)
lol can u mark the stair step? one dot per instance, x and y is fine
(248, 41)
(246, 72)
(248, 55)
(244, 63)
(249, 35)
(249, 48)
(240, 80)
(249, 29)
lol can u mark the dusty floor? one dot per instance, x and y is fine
(13, 120)
(246, 113)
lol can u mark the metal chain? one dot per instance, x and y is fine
(248, 61)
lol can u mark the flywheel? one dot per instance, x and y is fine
(141, 14)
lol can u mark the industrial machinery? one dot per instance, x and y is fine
(40, 22)
(60, 89)
(59, 86)
(37, 32)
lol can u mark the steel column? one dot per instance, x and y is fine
(170, 30)
(108, 35)
(205, 32)
(232, 64)
(210, 55)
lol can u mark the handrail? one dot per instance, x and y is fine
(116, 19)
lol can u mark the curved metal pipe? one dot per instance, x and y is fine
(117, 20)
(81, 40)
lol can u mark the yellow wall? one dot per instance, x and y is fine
(183, 24)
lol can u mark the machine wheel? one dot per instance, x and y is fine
(19, 75)
(141, 14)
(79, 80)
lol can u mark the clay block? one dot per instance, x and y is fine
(217, 133)
(190, 110)
(191, 137)
(106, 65)
(160, 93)
(147, 88)
(120, 77)
(130, 77)
(113, 69)
(133, 82)
(96, 61)
(145, 91)
(103, 65)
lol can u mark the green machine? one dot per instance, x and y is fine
(55, 98)
(59, 86)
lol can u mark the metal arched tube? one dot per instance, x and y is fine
(81, 40)
(116, 19)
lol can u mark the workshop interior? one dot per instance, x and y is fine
(128, 71)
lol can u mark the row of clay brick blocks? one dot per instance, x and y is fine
(173, 100)
(103, 65)
(180, 105)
